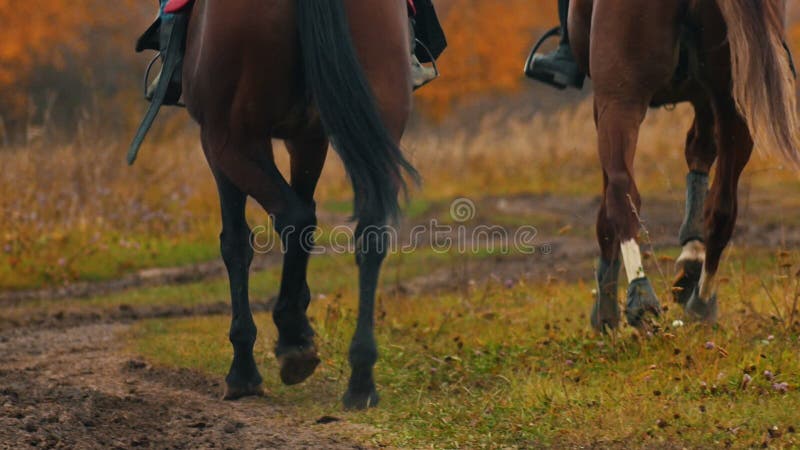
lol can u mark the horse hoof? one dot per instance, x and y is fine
(701, 310)
(233, 392)
(605, 315)
(686, 281)
(360, 400)
(642, 301)
(298, 364)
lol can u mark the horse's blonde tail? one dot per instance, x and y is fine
(763, 81)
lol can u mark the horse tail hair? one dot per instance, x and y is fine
(349, 112)
(763, 80)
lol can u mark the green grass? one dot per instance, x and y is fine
(109, 257)
(518, 367)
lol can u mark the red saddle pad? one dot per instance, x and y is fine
(174, 6)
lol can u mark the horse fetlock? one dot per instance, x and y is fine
(693, 251)
(606, 311)
(361, 391)
(688, 269)
(363, 353)
(605, 314)
(243, 380)
(294, 328)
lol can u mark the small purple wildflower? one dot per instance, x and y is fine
(782, 388)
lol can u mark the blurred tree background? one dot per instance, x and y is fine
(65, 64)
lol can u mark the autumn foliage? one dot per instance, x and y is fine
(488, 43)
(52, 51)
(65, 61)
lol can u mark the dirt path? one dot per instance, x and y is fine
(75, 388)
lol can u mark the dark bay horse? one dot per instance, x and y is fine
(306, 72)
(727, 58)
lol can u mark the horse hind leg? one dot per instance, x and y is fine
(295, 350)
(618, 127)
(701, 152)
(632, 55)
(372, 239)
(246, 162)
(243, 377)
(735, 145)
(606, 313)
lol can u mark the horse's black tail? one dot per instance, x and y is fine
(348, 109)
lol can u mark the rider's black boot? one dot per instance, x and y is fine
(558, 68)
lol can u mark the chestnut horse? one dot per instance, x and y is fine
(305, 72)
(728, 59)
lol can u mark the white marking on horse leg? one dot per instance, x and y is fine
(632, 258)
(708, 284)
(692, 251)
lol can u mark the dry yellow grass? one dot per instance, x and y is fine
(78, 212)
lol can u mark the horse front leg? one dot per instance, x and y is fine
(243, 377)
(372, 241)
(605, 313)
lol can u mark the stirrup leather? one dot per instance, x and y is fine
(173, 61)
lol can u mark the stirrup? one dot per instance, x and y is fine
(554, 32)
(146, 83)
(433, 63)
(554, 69)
